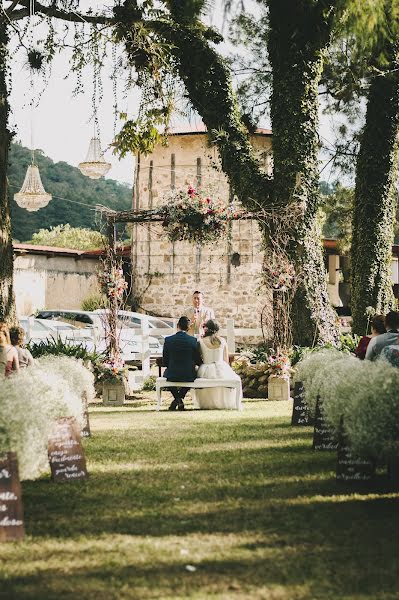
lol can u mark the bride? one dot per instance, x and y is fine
(215, 366)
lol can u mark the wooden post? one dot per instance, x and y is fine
(231, 342)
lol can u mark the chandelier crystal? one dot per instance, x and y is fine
(32, 194)
(94, 166)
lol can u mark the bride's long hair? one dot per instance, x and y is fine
(211, 328)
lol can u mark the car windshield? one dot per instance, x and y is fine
(34, 325)
(158, 324)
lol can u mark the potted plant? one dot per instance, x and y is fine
(113, 376)
(279, 377)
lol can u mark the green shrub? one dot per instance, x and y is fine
(58, 347)
(93, 302)
(149, 383)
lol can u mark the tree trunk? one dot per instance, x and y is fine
(375, 202)
(299, 33)
(7, 306)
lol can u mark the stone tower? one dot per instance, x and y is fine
(166, 274)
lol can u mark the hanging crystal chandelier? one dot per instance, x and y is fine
(32, 194)
(94, 166)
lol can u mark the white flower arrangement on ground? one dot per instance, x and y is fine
(313, 370)
(372, 425)
(79, 378)
(364, 393)
(31, 400)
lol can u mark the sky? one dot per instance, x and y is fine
(61, 121)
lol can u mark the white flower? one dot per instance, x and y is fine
(31, 400)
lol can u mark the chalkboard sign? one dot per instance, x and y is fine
(66, 456)
(300, 411)
(350, 467)
(86, 424)
(322, 435)
(11, 513)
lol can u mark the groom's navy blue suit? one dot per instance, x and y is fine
(180, 355)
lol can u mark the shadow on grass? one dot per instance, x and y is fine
(295, 550)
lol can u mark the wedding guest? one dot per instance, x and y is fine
(11, 355)
(379, 342)
(198, 314)
(180, 355)
(377, 328)
(17, 337)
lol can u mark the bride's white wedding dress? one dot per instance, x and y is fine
(215, 367)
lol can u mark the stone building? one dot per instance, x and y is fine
(165, 273)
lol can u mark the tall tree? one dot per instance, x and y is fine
(376, 197)
(7, 306)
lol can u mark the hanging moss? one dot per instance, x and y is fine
(375, 202)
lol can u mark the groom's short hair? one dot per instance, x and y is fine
(183, 323)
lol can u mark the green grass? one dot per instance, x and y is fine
(239, 496)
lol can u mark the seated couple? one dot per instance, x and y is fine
(384, 335)
(182, 353)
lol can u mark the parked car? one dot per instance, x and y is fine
(38, 330)
(35, 330)
(129, 340)
(133, 320)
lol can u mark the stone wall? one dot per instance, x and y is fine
(227, 271)
(52, 281)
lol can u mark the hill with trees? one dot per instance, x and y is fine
(70, 190)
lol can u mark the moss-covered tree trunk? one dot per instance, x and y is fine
(375, 202)
(7, 307)
(299, 33)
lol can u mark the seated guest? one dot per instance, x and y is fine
(377, 328)
(180, 355)
(379, 342)
(17, 337)
(391, 354)
(9, 355)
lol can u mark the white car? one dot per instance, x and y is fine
(133, 320)
(35, 330)
(129, 341)
(41, 330)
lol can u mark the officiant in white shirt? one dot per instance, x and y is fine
(198, 314)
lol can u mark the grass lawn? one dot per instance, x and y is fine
(204, 504)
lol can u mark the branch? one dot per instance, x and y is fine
(53, 11)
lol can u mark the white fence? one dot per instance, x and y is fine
(229, 332)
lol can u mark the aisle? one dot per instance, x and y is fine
(198, 505)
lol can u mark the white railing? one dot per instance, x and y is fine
(229, 332)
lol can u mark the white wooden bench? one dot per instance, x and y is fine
(199, 383)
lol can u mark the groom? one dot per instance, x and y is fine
(180, 355)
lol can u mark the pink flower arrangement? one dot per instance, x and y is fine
(280, 279)
(113, 283)
(279, 364)
(194, 216)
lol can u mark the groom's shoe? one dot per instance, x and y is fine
(173, 405)
(181, 406)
